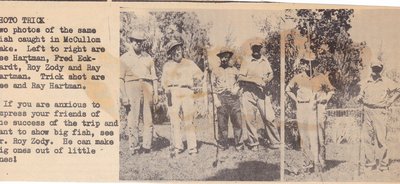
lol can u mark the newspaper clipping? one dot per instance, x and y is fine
(134, 91)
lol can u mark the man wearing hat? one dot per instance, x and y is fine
(254, 75)
(302, 90)
(226, 99)
(377, 94)
(139, 91)
(178, 79)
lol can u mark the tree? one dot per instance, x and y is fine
(327, 32)
(327, 35)
(184, 27)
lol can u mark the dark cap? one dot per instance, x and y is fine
(225, 51)
(172, 44)
(135, 35)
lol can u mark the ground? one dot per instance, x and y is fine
(342, 166)
(245, 165)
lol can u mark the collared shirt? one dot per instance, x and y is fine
(322, 86)
(135, 67)
(225, 79)
(310, 88)
(303, 85)
(257, 70)
(180, 74)
(377, 92)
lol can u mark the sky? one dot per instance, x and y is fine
(376, 28)
(240, 23)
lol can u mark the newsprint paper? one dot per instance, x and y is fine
(198, 91)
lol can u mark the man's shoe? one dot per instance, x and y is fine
(254, 148)
(239, 147)
(383, 168)
(274, 146)
(222, 147)
(145, 151)
(193, 151)
(134, 150)
(178, 151)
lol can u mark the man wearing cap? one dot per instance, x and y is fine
(178, 79)
(302, 91)
(139, 91)
(226, 99)
(254, 75)
(377, 94)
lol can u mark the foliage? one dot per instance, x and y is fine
(161, 27)
(328, 38)
(327, 35)
(274, 55)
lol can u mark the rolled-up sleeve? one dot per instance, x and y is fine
(153, 71)
(164, 76)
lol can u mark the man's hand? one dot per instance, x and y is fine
(155, 98)
(323, 101)
(217, 102)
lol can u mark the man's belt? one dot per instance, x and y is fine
(140, 80)
(303, 101)
(226, 93)
(372, 106)
(179, 86)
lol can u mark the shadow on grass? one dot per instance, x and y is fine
(160, 143)
(330, 164)
(249, 171)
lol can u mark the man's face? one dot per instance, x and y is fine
(225, 59)
(177, 53)
(376, 70)
(136, 45)
(305, 66)
(256, 54)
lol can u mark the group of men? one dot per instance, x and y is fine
(238, 95)
(311, 92)
(242, 96)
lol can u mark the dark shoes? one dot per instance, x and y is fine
(139, 150)
(134, 149)
(274, 146)
(222, 147)
(383, 168)
(144, 151)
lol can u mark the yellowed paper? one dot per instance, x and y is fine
(112, 91)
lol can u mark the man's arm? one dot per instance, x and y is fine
(267, 77)
(214, 81)
(290, 92)
(164, 82)
(394, 89)
(124, 96)
(360, 96)
(155, 83)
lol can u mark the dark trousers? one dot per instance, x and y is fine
(230, 108)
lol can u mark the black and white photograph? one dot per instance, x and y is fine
(200, 95)
(341, 95)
